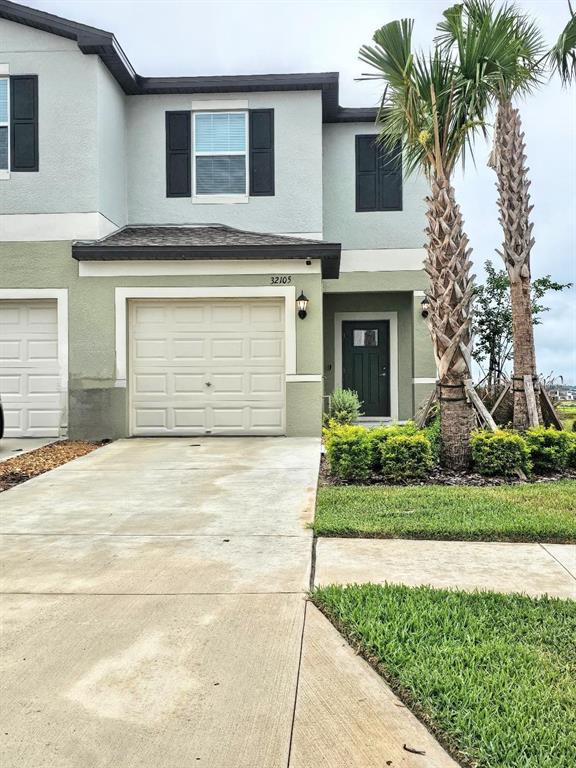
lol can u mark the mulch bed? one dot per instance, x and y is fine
(18, 469)
(439, 476)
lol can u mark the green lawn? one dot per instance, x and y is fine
(494, 676)
(537, 512)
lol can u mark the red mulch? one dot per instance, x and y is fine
(18, 469)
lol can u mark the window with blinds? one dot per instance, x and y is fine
(220, 148)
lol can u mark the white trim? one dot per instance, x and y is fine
(61, 296)
(418, 294)
(6, 124)
(424, 380)
(143, 268)
(219, 199)
(4, 69)
(4, 174)
(392, 317)
(122, 295)
(34, 227)
(303, 377)
(216, 105)
(383, 260)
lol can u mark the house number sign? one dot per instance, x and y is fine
(281, 279)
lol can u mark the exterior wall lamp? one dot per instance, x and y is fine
(425, 304)
(302, 304)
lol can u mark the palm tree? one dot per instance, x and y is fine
(563, 55)
(512, 65)
(425, 107)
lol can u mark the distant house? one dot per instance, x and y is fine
(196, 255)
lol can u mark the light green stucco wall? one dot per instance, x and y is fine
(365, 230)
(98, 409)
(401, 303)
(386, 292)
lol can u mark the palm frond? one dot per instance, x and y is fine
(499, 49)
(562, 57)
(426, 105)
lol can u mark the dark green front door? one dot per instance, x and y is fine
(366, 364)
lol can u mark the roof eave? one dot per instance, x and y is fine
(328, 253)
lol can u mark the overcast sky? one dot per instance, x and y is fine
(189, 37)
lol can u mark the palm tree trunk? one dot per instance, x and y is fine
(449, 319)
(509, 161)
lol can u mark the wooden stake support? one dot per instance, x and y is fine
(531, 401)
(481, 409)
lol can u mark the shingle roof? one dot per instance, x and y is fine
(201, 235)
(205, 242)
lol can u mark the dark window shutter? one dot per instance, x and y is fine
(24, 123)
(390, 179)
(378, 176)
(366, 174)
(178, 153)
(261, 152)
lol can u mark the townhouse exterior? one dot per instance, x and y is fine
(196, 255)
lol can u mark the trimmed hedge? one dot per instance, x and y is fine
(379, 435)
(406, 457)
(348, 451)
(549, 448)
(572, 449)
(500, 453)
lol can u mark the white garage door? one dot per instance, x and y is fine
(207, 367)
(29, 371)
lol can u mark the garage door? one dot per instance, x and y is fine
(207, 367)
(29, 371)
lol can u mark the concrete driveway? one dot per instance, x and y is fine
(154, 616)
(153, 604)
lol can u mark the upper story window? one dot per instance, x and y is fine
(220, 153)
(4, 124)
(220, 157)
(378, 176)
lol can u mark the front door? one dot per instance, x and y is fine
(366, 363)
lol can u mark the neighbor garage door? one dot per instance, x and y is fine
(29, 371)
(207, 367)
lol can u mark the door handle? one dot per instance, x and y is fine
(384, 373)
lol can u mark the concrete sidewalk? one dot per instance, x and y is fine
(154, 615)
(534, 569)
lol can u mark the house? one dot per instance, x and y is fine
(196, 255)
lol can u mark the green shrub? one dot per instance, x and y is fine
(379, 435)
(406, 457)
(571, 450)
(345, 406)
(348, 451)
(549, 448)
(432, 432)
(500, 452)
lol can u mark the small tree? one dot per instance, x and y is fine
(493, 319)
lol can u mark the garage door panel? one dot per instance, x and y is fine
(43, 385)
(223, 363)
(188, 349)
(30, 373)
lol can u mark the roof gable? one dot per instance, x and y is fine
(92, 40)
